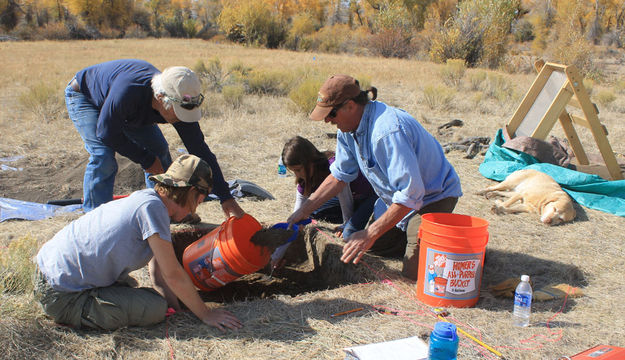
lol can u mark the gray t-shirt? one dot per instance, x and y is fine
(105, 244)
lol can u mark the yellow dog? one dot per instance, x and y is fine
(534, 192)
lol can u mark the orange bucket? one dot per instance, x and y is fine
(451, 259)
(225, 254)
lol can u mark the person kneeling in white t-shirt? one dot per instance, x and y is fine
(81, 271)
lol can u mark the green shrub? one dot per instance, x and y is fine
(239, 68)
(605, 97)
(233, 95)
(42, 100)
(498, 87)
(620, 86)
(304, 96)
(453, 72)
(522, 30)
(334, 39)
(299, 35)
(573, 49)
(16, 267)
(438, 97)
(213, 73)
(476, 80)
(477, 33)
(269, 82)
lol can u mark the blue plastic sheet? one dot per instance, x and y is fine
(26, 210)
(588, 190)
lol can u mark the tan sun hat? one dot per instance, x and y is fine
(182, 86)
(335, 91)
(187, 170)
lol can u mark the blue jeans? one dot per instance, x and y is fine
(99, 178)
(362, 213)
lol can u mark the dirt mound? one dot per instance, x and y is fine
(61, 177)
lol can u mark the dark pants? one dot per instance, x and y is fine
(396, 243)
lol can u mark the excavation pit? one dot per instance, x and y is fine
(311, 263)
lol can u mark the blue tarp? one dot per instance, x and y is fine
(588, 190)
(26, 210)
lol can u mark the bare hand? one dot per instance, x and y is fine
(295, 217)
(222, 319)
(232, 208)
(356, 247)
(156, 167)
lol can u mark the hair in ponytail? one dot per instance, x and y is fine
(363, 98)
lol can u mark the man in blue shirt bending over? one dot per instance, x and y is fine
(403, 162)
(116, 107)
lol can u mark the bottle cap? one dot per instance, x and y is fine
(445, 330)
(525, 278)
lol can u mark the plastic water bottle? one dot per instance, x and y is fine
(522, 302)
(443, 342)
(281, 168)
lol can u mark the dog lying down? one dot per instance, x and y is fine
(534, 192)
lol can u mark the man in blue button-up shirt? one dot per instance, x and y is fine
(403, 162)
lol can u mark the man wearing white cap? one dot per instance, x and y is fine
(116, 107)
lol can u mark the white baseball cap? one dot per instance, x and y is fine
(182, 86)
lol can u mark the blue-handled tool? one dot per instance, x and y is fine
(280, 250)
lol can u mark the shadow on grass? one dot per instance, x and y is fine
(273, 319)
(502, 265)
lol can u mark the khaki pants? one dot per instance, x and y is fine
(106, 308)
(396, 243)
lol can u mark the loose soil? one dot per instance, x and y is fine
(311, 263)
(61, 178)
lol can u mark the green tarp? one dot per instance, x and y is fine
(588, 190)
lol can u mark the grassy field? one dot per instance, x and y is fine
(247, 140)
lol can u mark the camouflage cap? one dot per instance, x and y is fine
(187, 170)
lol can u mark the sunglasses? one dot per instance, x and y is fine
(332, 113)
(188, 102)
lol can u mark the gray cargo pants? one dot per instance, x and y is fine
(106, 308)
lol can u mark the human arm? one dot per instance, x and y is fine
(327, 190)
(361, 241)
(193, 139)
(156, 167)
(346, 201)
(181, 286)
(231, 208)
(299, 200)
(159, 284)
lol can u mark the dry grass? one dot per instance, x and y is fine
(247, 141)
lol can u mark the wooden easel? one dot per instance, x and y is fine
(555, 87)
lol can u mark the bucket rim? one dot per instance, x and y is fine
(429, 218)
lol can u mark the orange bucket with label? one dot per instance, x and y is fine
(451, 259)
(225, 254)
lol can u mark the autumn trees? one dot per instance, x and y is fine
(477, 31)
